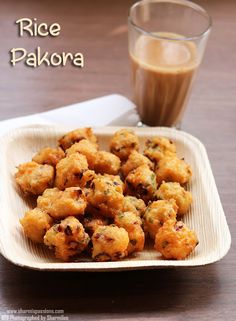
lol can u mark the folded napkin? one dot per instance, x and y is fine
(112, 110)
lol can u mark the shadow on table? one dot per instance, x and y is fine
(112, 293)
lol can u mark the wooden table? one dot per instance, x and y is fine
(98, 29)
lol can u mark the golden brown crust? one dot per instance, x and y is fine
(123, 142)
(175, 191)
(173, 169)
(141, 182)
(75, 136)
(106, 163)
(110, 243)
(86, 148)
(159, 147)
(60, 204)
(105, 196)
(134, 161)
(156, 214)
(68, 238)
(73, 171)
(132, 224)
(92, 222)
(134, 204)
(35, 224)
(48, 155)
(114, 180)
(175, 240)
(34, 178)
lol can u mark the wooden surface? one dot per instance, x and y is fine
(98, 29)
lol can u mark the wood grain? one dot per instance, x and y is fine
(98, 28)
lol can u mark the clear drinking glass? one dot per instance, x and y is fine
(167, 39)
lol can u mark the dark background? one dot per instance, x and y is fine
(98, 30)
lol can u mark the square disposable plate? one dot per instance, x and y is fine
(206, 216)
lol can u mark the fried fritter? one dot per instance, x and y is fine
(141, 182)
(35, 224)
(67, 238)
(76, 136)
(48, 155)
(105, 196)
(175, 240)
(123, 142)
(86, 148)
(92, 222)
(106, 163)
(110, 243)
(134, 204)
(135, 160)
(34, 178)
(60, 204)
(73, 171)
(175, 191)
(159, 147)
(173, 169)
(132, 224)
(156, 214)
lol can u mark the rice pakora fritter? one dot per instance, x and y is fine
(60, 204)
(76, 136)
(123, 142)
(67, 238)
(134, 161)
(35, 224)
(110, 243)
(134, 204)
(159, 147)
(141, 182)
(156, 214)
(106, 163)
(132, 224)
(173, 169)
(105, 196)
(175, 240)
(114, 180)
(48, 155)
(73, 171)
(92, 222)
(34, 178)
(86, 148)
(175, 191)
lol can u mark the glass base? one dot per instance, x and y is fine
(177, 126)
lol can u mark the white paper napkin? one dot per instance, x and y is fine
(112, 110)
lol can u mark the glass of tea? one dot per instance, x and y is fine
(167, 39)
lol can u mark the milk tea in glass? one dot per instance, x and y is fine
(167, 39)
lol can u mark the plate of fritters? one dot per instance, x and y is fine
(108, 199)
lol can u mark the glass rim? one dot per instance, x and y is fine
(186, 3)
